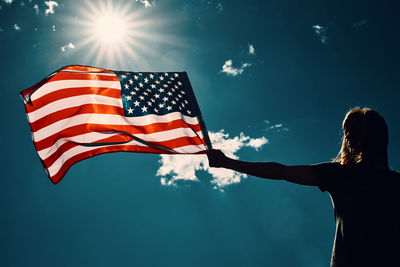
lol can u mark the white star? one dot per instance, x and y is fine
(186, 101)
(165, 85)
(135, 77)
(157, 96)
(128, 97)
(169, 82)
(179, 83)
(180, 108)
(176, 75)
(169, 93)
(144, 109)
(157, 82)
(151, 76)
(149, 103)
(145, 93)
(137, 89)
(176, 86)
(123, 76)
(171, 79)
(189, 112)
(140, 74)
(179, 95)
(137, 103)
(140, 84)
(130, 110)
(183, 105)
(166, 74)
(161, 78)
(169, 108)
(126, 86)
(161, 90)
(165, 98)
(141, 97)
(153, 86)
(148, 90)
(172, 89)
(152, 100)
(130, 81)
(173, 102)
(161, 105)
(146, 80)
(156, 110)
(133, 93)
(183, 92)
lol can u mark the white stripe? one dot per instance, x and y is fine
(63, 84)
(56, 166)
(73, 101)
(108, 119)
(96, 136)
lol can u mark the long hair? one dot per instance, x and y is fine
(365, 138)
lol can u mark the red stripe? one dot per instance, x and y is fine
(119, 148)
(83, 68)
(70, 92)
(70, 112)
(83, 76)
(171, 144)
(88, 127)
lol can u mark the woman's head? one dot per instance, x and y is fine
(365, 138)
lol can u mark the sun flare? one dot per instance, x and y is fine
(119, 33)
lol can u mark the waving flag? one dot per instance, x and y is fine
(79, 112)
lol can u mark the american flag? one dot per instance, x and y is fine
(79, 112)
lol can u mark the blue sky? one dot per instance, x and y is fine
(273, 79)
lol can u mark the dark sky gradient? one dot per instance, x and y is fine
(111, 210)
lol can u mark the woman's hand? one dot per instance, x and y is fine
(216, 158)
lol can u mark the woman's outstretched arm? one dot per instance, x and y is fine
(301, 174)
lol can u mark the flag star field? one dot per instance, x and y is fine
(116, 95)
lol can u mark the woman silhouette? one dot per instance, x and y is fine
(364, 191)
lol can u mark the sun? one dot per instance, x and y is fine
(110, 29)
(116, 33)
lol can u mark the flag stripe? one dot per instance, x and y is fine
(70, 112)
(84, 76)
(68, 132)
(69, 150)
(131, 148)
(71, 92)
(81, 68)
(96, 137)
(145, 123)
(61, 85)
(74, 101)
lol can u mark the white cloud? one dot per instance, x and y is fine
(219, 7)
(67, 46)
(53, 28)
(16, 27)
(229, 69)
(50, 7)
(178, 168)
(321, 32)
(146, 3)
(36, 7)
(8, 1)
(252, 51)
(278, 127)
